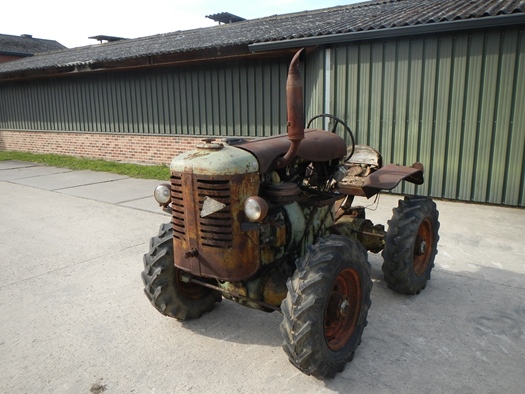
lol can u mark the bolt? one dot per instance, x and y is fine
(192, 253)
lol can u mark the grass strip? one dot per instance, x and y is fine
(75, 163)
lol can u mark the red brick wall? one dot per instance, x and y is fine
(128, 148)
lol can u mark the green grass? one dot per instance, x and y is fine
(74, 163)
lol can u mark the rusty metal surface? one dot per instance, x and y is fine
(370, 236)
(282, 193)
(385, 178)
(214, 245)
(364, 154)
(236, 295)
(318, 146)
(294, 110)
(294, 100)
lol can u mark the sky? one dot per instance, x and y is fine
(72, 22)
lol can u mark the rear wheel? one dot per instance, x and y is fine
(411, 245)
(163, 285)
(326, 309)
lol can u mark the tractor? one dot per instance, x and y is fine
(269, 223)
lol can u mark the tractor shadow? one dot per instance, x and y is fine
(232, 322)
(456, 324)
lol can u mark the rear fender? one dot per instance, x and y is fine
(385, 178)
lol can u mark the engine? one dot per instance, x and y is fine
(244, 227)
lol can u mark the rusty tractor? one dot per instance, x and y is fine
(269, 223)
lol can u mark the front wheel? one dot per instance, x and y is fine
(326, 309)
(163, 285)
(411, 245)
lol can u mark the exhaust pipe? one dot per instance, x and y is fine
(294, 109)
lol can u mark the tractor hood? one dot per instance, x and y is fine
(213, 158)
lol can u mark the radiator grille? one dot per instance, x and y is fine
(178, 208)
(214, 230)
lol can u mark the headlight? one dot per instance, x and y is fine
(162, 194)
(255, 209)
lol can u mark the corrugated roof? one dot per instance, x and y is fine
(360, 17)
(27, 45)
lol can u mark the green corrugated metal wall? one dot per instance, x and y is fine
(227, 99)
(454, 102)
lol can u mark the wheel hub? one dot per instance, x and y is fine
(421, 246)
(338, 308)
(344, 309)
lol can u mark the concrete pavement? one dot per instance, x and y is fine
(74, 318)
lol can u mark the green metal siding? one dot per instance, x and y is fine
(231, 99)
(453, 102)
(314, 72)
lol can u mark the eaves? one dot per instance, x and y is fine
(439, 27)
(21, 54)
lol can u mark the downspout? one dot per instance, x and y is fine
(327, 85)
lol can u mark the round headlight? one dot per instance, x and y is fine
(162, 194)
(255, 209)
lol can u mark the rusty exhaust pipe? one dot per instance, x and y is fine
(294, 109)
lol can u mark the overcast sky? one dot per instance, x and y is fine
(72, 22)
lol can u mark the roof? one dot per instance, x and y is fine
(388, 17)
(26, 45)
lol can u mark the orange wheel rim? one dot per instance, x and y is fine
(423, 247)
(342, 309)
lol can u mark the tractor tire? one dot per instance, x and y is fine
(411, 245)
(326, 309)
(163, 287)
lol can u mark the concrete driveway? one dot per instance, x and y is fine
(74, 318)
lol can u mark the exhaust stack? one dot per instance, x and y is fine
(294, 109)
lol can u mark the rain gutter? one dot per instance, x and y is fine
(21, 54)
(429, 28)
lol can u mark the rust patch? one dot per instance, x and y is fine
(214, 246)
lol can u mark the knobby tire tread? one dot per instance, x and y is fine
(161, 285)
(302, 324)
(398, 254)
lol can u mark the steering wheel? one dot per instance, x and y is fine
(337, 121)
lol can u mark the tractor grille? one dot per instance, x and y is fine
(214, 230)
(214, 246)
(177, 205)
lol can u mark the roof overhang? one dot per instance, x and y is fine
(437, 27)
(177, 59)
(21, 54)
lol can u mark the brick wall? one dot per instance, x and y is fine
(128, 148)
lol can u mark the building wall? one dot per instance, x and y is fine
(454, 102)
(128, 148)
(244, 98)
